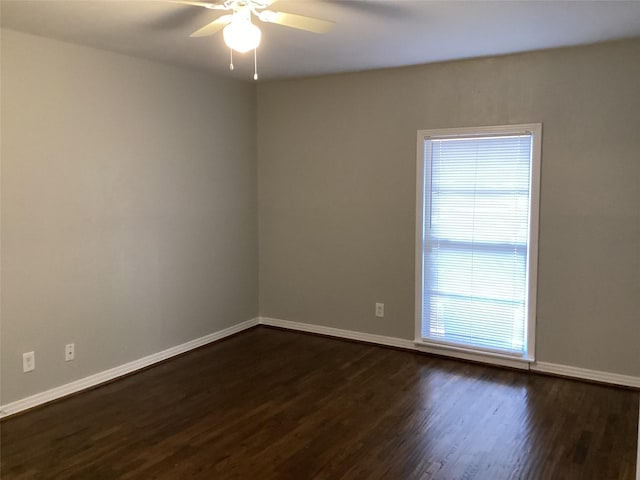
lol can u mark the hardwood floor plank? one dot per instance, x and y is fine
(269, 404)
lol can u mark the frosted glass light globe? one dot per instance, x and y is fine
(242, 35)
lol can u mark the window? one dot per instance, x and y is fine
(477, 228)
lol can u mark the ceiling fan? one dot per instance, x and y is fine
(240, 34)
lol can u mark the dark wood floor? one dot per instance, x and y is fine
(269, 404)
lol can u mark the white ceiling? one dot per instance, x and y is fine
(368, 33)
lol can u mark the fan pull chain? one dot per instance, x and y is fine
(255, 64)
(231, 62)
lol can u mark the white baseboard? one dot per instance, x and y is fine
(389, 341)
(337, 332)
(542, 367)
(586, 374)
(113, 373)
(460, 353)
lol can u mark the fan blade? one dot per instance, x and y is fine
(210, 6)
(213, 27)
(292, 20)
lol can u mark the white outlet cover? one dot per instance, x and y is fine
(28, 361)
(69, 352)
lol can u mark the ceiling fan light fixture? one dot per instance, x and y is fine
(241, 35)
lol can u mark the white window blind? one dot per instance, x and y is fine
(476, 232)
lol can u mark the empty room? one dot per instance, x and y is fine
(320, 239)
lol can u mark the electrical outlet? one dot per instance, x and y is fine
(28, 361)
(379, 309)
(69, 352)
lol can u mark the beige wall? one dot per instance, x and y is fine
(337, 157)
(128, 208)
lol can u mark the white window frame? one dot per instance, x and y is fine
(534, 129)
